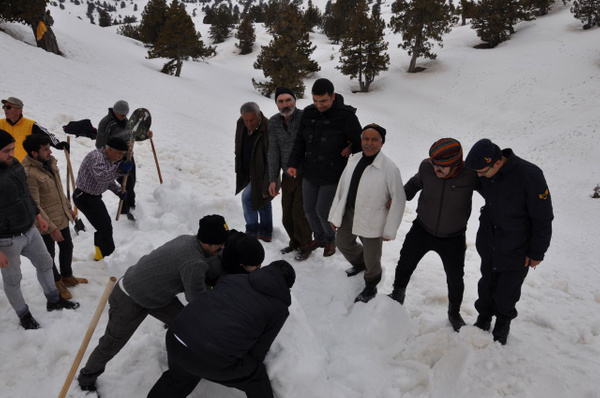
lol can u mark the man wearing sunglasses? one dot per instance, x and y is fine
(442, 213)
(20, 127)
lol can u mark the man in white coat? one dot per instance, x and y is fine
(369, 204)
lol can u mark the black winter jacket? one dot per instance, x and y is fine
(321, 139)
(241, 316)
(516, 220)
(17, 207)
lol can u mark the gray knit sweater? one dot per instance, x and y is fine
(179, 265)
(281, 142)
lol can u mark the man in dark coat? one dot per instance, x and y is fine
(515, 227)
(329, 133)
(225, 335)
(251, 171)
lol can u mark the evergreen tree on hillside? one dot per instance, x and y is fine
(221, 25)
(466, 10)
(494, 20)
(34, 14)
(286, 60)
(153, 21)
(104, 20)
(363, 52)
(587, 11)
(178, 40)
(337, 21)
(272, 14)
(246, 35)
(312, 16)
(420, 22)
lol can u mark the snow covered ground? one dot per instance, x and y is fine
(538, 93)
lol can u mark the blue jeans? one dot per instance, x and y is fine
(30, 245)
(257, 222)
(317, 202)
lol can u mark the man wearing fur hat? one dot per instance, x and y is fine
(369, 204)
(515, 227)
(20, 127)
(442, 213)
(18, 236)
(114, 124)
(186, 264)
(97, 174)
(283, 129)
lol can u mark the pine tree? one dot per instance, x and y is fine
(494, 20)
(246, 35)
(419, 22)
(363, 48)
(587, 11)
(34, 14)
(104, 20)
(153, 21)
(221, 25)
(286, 60)
(312, 16)
(337, 21)
(178, 40)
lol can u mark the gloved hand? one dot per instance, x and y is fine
(122, 195)
(126, 166)
(64, 145)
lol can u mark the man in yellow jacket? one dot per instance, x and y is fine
(45, 187)
(20, 127)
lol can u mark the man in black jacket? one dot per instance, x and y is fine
(18, 236)
(442, 214)
(515, 227)
(329, 133)
(225, 335)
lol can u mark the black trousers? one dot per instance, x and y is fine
(65, 253)
(451, 250)
(129, 203)
(187, 368)
(95, 211)
(499, 292)
(294, 219)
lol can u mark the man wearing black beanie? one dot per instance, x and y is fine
(186, 264)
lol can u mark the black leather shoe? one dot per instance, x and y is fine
(501, 331)
(62, 304)
(398, 294)
(483, 322)
(28, 322)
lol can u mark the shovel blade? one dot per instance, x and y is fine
(79, 226)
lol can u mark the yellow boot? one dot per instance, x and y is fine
(98, 256)
(62, 290)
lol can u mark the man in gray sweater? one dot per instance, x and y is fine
(186, 264)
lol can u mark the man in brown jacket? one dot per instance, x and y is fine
(251, 170)
(45, 187)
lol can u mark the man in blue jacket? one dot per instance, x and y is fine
(225, 335)
(514, 231)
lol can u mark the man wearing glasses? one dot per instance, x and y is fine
(20, 127)
(442, 213)
(515, 228)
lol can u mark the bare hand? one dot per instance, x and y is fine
(532, 263)
(3, 260)
(149, 134)
(42, 224)
(333, 227)
(73, 213)
(347, 151)
(386, 239)
(56, 235)
(291, 171)
(273, 189)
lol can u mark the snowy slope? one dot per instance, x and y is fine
(538, 93)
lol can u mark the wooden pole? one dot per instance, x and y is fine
(124, 184)
(88, 335)
(71, 175)
(156, 161)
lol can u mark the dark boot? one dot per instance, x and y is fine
(355, 270)
(483, 322)
(501, 330)
(454, 317)
(62, 304)
(329, 249)
(369, 292)
(398, 294)
(28, 322)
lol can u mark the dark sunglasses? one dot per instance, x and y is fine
(9, 107)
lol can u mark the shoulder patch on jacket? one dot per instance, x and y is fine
(544, 195)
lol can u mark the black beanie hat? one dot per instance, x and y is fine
(118, 144)
(483, 154)
(5, 138)
(213, 230)
(249, 251)
(286, 269)
(377, 128)
(283, 90)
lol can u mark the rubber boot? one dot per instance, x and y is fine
(98, 255)
(501, 330)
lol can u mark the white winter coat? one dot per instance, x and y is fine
(381, 182)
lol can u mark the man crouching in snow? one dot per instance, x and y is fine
(225, 335)
(185, 264)
(361, 207)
